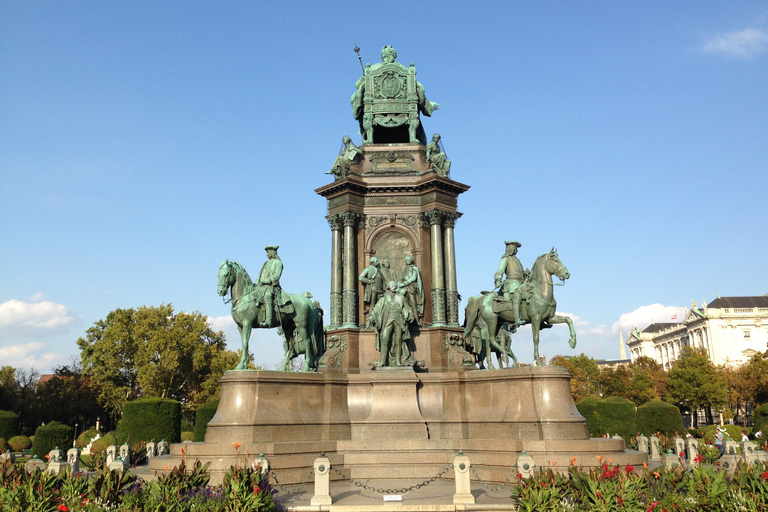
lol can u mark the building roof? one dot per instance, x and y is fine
(659, 326)
(739, 302)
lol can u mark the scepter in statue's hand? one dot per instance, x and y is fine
(357, 51)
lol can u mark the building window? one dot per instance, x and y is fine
(747, 334)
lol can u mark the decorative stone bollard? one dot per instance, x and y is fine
(642, 444)
(461, 467)
(680, 447)
(117, 465)
(7, 455)
(525, 465)
(670, 460)
(655, 450)
(125, 454)
(731, 447)
(56, 462)
(728, 462)
(151, 449)
(749, 452)
(111, 454)
(73, 460)
(322, 481)
(261, 464)
(761, 455)
(162, 448)
(693, 449)
(33, 465)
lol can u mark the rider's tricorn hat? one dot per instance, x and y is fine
(272, 247)
(514, 242)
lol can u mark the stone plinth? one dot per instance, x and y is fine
(382, 424)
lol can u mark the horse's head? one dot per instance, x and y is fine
(226, 277)
(555, 266)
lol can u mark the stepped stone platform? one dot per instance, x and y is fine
(397, 424)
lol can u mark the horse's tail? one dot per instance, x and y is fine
(471, 313)
(318, 333)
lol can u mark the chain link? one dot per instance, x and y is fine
(487, 485)
(280, 487)
(404, 490)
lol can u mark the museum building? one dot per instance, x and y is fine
(730, 329)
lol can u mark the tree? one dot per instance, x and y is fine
(648, 382)
(69, 397)
(695, 384)
(616, 381)
(154, 351)
(585, 374)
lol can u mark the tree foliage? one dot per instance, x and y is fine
(154, 351)
(585, 374)
(694, 382)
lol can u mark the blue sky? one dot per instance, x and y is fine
(141, 143)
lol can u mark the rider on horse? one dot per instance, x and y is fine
(510, 289)
(269, 282)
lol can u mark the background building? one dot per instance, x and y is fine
(731, 329)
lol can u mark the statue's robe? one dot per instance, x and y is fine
(411, 278)
(372, 278)
(390, 315)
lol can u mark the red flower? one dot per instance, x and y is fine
(629, 468)
(256, 490)
(63, 508)
(543, 485)
(765, 475)
(619, 500)
(599, 495)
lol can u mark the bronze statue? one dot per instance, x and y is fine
(436, 157)
(539, 310)
(387, 102)
(410, 281)
(372, 279)
(389, 318)
(349, 154)
(269, 280)
(509, 293)
(387, 274)
(299, 319)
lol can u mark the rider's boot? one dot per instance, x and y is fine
(516, 300)
(269, 305)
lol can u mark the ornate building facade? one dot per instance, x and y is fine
(730, 329)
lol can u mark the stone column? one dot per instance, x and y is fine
(451, 288)
(349, 292)
(435, 218)
(336, 270)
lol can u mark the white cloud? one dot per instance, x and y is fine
(29, 355)
(25, 320)
(645, 315)
(742, 44)
(38, 297)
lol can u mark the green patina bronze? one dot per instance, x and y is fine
(264, 304)
(436, 157)
(538, 306)
(388, 101)
(349, 155)
(389, 318)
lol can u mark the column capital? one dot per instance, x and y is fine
(353, 219)
(335, 221)
(433, 217)
(450, 218)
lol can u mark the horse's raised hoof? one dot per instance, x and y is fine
(572, 342)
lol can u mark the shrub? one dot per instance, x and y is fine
(203, 415)
(101, 443)
(120, 437)
(48, 437)
(760, 418)
(9, 424)
(658, 416)
(85, 438)
(3, 445)
(151, 418)
(618, 416)
(186, 426)
(19, 443)
(187, 436)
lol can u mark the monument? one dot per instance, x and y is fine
(391, 387)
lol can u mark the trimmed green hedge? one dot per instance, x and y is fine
(618, 416)
(50, 436)
(101, 443)
(19, 443)
(85, 438)
(3, 445)
(9, 424)
(589, 409)
(760, 418)
(151, 418)
(659, 416)
(203, 415)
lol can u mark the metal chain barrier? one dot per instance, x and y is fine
(487, 486)
(280, 487)
(404, 490)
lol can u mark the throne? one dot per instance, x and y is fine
(391, 102)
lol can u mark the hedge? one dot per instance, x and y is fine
(618, 416)
(3, 445)
(151, 418)
(50, 436)
(659, 416)
(102, 442)
(85, 438)
(203, 415)
(589, 409)
(9, 424)
(19, 443)
(760, 418)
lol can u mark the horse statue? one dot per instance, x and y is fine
(302, 324)
(537, 310)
